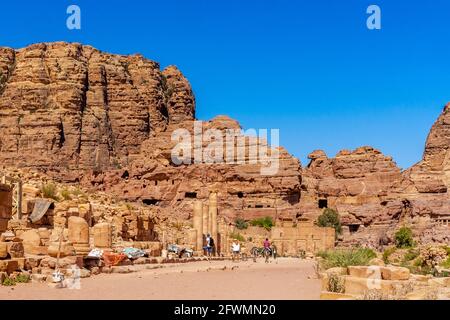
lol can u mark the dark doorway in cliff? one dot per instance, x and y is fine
(191, 195)
(125, 175)
(323, 203)
(150, 202)
(259, 206)
(240, 195)
(292, 198)
(353, 228)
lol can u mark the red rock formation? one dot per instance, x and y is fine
(354, 182)
(106, 120)
(72, 106)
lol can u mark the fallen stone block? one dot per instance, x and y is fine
(419, 278)
(20, 262)
(337, 270)
(358, 286)
(439, 282)
(3, 250)
(36, 250)
(368, 272)
(9, 266)
(38, 278)
(395, 273)
(32, 262)
(66, 249)
(16, 249)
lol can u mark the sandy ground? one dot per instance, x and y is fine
(284, 279)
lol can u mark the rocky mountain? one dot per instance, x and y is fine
(69, 105)
(106, 121)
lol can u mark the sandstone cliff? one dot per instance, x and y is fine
(104, 120)
(72, 106)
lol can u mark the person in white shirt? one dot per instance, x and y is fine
(236, 249)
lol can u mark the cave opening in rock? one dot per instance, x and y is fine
(125, 175)
(192, 195)
(150, 202)
(323, 203)
(259, 206)
(353, 228)
(240, 195)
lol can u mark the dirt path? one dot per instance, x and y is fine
(284, 279)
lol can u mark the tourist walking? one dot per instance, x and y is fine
(236, 250)
(267, 250)
(209, 245)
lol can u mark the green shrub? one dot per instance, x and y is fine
(411, 255)
(330, 218)
(335, 283)
(266, 223)
(9, 282)
(49, 191)
(65, 194)
(446, 263)
(447, 249)
(404, 238)
(237, 236)
(22, 278)
(346, 257)
(241, 224)
(78, 192)
(387, 253)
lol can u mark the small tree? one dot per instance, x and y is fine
(241, 224)
(404, 238)
(330, 218)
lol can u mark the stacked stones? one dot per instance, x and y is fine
(79, 235)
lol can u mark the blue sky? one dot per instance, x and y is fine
(310, 68)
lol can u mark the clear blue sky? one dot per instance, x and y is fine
(310, 68)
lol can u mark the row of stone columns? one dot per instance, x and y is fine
(205, 220)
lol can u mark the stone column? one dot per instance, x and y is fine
(206, 226)
(213, 216)
(79, 234)
(102, 235)
(198, 223)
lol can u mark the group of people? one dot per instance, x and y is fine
(209, 248)
(236, 250)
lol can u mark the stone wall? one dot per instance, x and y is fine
(5, 206)
(290, 239)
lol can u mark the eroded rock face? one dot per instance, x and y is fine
(242, 190)
(374, 197)
(82, 115)
(354, 182)
(71, 104)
